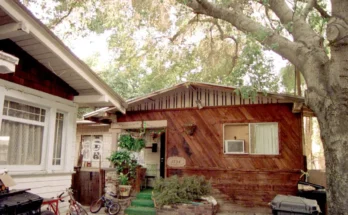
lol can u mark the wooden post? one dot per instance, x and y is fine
(100, 178)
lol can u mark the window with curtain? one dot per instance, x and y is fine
(258, 138)
(58, 139)
(21, 135)
(264, 138)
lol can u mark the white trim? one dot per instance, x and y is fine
(50, 142)
(91, 99)
(70, 141)
(26, 121)
(140, 124)
(56, 46)
(6, 86)
(2, 100)
(13, 30)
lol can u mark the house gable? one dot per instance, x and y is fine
(200, 95)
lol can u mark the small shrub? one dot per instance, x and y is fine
(174, 190)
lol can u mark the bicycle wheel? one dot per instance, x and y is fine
(73, 210)
(81, 210)
(114, 208)
(95, 206)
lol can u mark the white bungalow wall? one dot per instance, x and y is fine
(49, 181)
(187, 97)
(47, 186)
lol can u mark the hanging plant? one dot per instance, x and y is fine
(128, 142)
(139, 144)
(190, 128)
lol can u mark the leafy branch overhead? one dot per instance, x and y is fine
(152, 39)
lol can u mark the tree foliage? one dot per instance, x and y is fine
(154, 39)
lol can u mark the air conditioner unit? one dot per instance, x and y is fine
(234, 146)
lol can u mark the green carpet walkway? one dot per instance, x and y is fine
(142, 205)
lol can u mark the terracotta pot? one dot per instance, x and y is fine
(125, 190)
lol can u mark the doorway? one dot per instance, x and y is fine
(162, 155)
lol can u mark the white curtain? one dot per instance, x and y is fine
(23, 143)
(58, 139)
(264, 138)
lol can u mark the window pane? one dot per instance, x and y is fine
(264, 138)
(58, 139)
(20, 143)
(23, 111)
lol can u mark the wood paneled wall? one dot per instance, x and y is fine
(246, 179)
(30, 73)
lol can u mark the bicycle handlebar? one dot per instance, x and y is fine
(60, 197)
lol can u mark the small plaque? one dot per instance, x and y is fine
(176, 162)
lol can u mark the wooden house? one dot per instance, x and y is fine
(251, 149)
(39, 98)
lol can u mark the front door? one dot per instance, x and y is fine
(162, 155)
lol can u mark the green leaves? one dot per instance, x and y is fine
(126, 141)
(180, 190)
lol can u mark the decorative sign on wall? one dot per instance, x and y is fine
(176, 161)
(92, 147)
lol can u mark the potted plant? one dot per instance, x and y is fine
(121, 160)
(125, 188)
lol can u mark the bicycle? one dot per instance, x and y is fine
(52, 205)
(112, 207)
(75, 208)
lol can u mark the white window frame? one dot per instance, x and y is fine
(51, 104)
(64, 142)
(249, 139)
(44, 139)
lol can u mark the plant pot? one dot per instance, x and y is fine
(125, 190)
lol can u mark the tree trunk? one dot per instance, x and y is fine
(333, 122)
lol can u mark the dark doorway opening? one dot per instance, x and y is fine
(163, 155)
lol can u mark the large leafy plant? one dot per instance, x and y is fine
(174, 190)
(124, 161)
(121, 160)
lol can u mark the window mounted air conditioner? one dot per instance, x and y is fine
(234, 146)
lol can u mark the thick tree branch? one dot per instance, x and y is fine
(308, 8)
(322, 12)
(301, 30)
